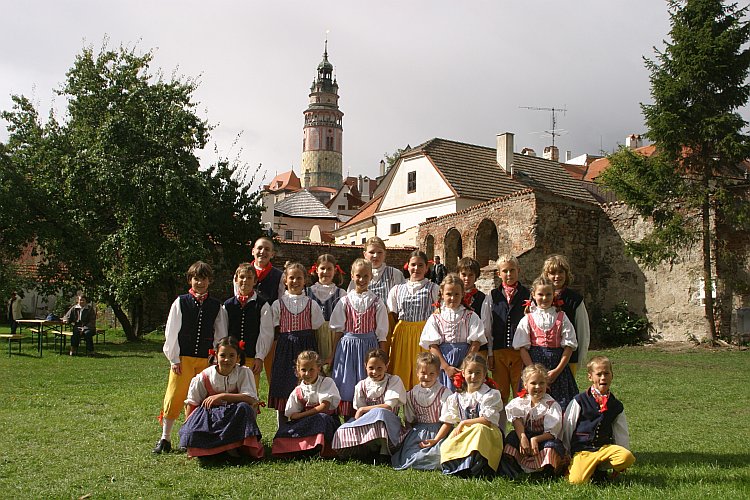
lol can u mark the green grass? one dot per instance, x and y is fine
(86, 426)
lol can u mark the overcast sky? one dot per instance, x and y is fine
(408, 70)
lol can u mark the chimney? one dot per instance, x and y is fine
(382, 168)
(633, 141)
(359, 183)
(505, 152)
(551, 153)
(528, 152)
(365, 191)
(568, 155)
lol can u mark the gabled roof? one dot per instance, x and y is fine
(284, 181)
(366, 212)
(473, 172)
(303, 204)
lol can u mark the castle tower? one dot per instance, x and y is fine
(322, 133)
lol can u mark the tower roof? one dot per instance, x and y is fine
(325, 64)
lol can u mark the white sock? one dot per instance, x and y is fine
(166, 428)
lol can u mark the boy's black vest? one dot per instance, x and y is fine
(244, 322)
(594, 429)
(196, 335)
(268, 289)
(505, 317)
(476, 306)
(571, 301)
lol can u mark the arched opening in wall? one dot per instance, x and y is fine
(429, 246)
(454, 249)
(486, 242)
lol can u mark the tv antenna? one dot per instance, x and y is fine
(555, 131)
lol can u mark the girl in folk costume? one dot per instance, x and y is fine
(384, 277)
(453, 331)
(545, 335)
(375, 430)
(327, 294)
(363, 319)
(310, 412)
(537, 423)
(411, 303)
(476, 411)
(421, 446)
(249, 318)
(296, 317)
(557, 269)
(269, 284)
(222, 403)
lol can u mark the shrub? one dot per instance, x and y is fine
(621, 326)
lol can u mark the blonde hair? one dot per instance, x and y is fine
(427, 358)
(375, 241)
(309, 356)
(535, 369)
(598, 360)
(290, 266)
(506, 257)
(558, 262)
(362, 262)
(247, 268)
(452, 279)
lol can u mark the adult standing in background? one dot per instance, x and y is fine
(14, 312)
(438, 271)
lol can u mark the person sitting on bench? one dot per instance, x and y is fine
(82, 317)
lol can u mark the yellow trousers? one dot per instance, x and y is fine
(584, 463)
(178, 385)
(507, 371)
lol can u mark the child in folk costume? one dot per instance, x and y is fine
(384, 277)
(375, 430)
(545, 335)
(310, 411)
(411, 303)
(507, 302)
(363, 319)
(222, 403)
(420, 448)
(476, 411)
(537, 424)
(297, 317)
(327, 294)
(595, 429)
(249, 318)
(453, 331)
(557, 269)
(468, 270)
(195, 323)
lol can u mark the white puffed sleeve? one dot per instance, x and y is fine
(276, 312)
(329, 392)
(516, 408)
(392, 301)
(430, 333)
(338, 316)
(293, 405)
(476, 330)
(583, 333)
(553, 419)
(395, 394)
(486, 313)
(620, 431)
(197, 391)
(450, 412)
(171, 331)
(491, 407)
(397, 276)
(381, 321)
(521, 338)
(265, 336)
(246, 382)
(568, 335)
(360, 395)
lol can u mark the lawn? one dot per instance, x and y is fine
(75, 427)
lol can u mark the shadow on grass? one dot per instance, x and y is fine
(672, 459)
(660, 469)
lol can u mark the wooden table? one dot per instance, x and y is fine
(39, 327)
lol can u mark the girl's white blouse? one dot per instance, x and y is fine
(360, 302)
(323, 389)
(394, 396)
(544, 319)
(324, 292)
(547, 408)
(240, 381)
(490, 405)
(296, 304)
(424, 396)
(453, 328)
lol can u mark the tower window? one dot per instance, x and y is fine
(329, 143)
(411, 182)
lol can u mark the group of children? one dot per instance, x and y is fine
(330, 354)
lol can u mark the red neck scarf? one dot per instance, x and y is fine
(601, 399)
(510, 290)
(469, 297)
(199, 297)
(244, 298)
(263, 272)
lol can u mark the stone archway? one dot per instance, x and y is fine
(454, 249)
(486, 242)
(429, 246)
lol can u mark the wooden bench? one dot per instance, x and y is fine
(12, 338)
(63, 335)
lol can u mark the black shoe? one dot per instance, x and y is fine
(182, 449)
(163, 446)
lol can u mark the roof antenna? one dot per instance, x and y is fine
(555, 131)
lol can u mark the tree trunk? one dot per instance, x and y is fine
(127, 327)
(136, 314)
(707, 280)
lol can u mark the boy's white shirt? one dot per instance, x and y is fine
(171, 347)
(620, 432)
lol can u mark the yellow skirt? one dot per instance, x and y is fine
(487, 440)
(324, 338)
(404, 350)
